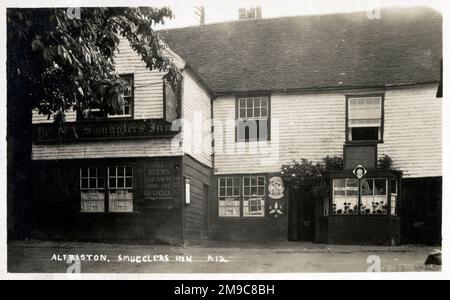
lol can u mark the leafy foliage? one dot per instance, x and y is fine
(333, 163)
(57, 62)
(385, 162)
(295, 172)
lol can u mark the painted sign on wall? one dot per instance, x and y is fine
(162, 185)
(102, 130)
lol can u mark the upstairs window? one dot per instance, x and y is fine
(128, 98)
(252, 122)
(365, 118)
(126, 110)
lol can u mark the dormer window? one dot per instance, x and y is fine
(365, 118)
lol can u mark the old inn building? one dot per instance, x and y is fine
(206, 163)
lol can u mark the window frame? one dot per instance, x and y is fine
(103, 172)
(385, 178)
(131, 114)
(238, 119)
(348, 128)
(240, 178)
(106, 115)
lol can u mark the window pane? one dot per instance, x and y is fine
(262, 130)
(129, 171)
(120, 171)
(364, 133)
(101, 183)
(249, 104)
(92, 172)
(246, 191)
(84, 172)
(242, 113)
(120, 182)
(92, 183)
(112, 171)
(246, 181)
(242, 104)
(253, 207)
(257, 102)
(256, 112)
(112, 182)
(236, 191)
(222, 192)
(230, 191)
(393, 186)
(264, 102)
(129, 182)
(263, 112)
(237, 183)
(261, 190)
(222, 182)
(84, 183)
(261, 180)
(379, 187)
(367, 187)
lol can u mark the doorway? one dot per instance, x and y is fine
(302, 213)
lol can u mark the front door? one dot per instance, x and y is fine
(301, 214)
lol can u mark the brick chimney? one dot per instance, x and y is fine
(250, 14)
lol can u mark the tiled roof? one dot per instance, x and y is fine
(404, 46)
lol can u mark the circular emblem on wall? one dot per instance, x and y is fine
(276, 187)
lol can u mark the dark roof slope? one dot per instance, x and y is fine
(307, 52)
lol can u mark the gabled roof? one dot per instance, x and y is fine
(314, 52)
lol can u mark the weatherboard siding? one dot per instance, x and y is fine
(106, 149)
(413, 130)
(196, 113)
(312, 126)
(148, 85)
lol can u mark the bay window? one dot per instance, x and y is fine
(116, 196)
(242, 196)
(365, 117)
(252, 122)
(369, 196)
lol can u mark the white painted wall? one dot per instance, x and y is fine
(196, 112)
(312, 126)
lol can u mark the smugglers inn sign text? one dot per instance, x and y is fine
(102, 130)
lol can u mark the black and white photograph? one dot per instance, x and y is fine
(202, 139)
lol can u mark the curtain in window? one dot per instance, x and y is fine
(364, 112)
